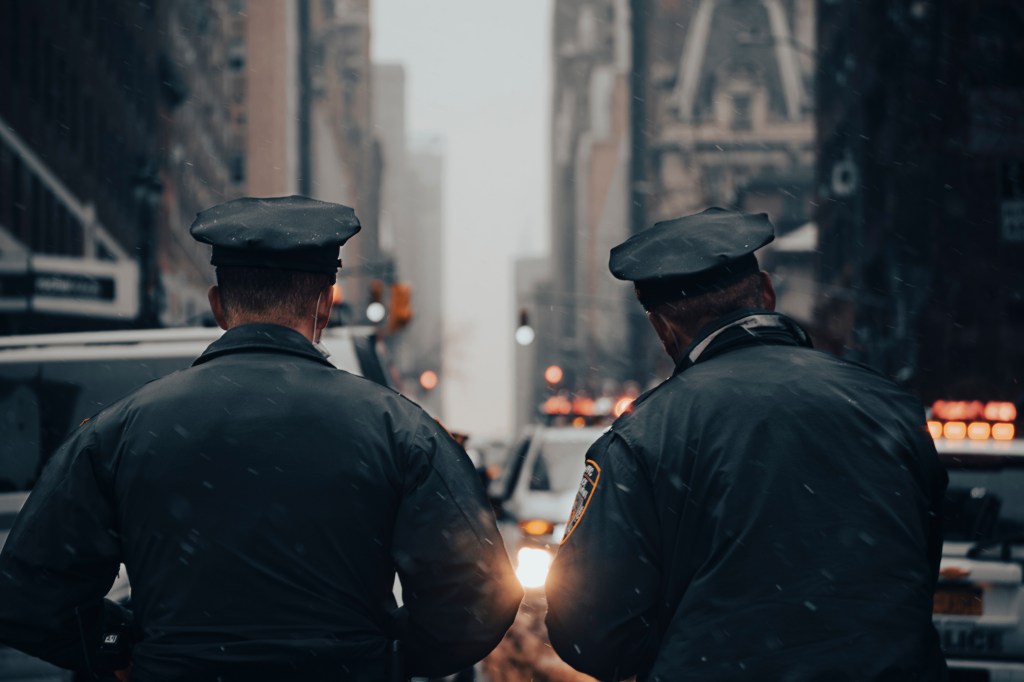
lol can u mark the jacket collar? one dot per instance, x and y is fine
(740, 329)
(260, 336)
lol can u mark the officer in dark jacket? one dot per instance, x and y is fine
(261, 500)
(769, 512)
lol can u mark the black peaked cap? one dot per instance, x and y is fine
(281, 233)
(694, 253)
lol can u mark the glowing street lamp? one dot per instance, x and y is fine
(524, 332)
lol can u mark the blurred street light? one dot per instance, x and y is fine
(376, 311)
(428, 380)
(524, 332)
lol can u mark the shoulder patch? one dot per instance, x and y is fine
(588, 486)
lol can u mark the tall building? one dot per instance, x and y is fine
(732, 107)
(203, 143)
(412, 231)
(389, 120)
(921, 203)
(79, 139)
(419, 249)
(274, 101)
(659, 110)
(589, 201)
(121, 120)
(728, 120)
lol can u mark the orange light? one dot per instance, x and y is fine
(537, 527)
(1002, 431)
(621, 405)
(979, 430)
(579, 422)
(935, 428)
(583, 405)
(954, 430)
(553, 374)
(428, 379)
(1000, 412)
(337, 293)
(960, 410)
(557, 404)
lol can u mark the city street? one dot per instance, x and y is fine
(705, 316)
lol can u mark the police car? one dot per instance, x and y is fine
(534, 494)
(50, 382)
(979, 600)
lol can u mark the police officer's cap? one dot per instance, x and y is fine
(692, 254)
(281, 233)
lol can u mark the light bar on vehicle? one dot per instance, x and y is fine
(974, 410)
(972, 420)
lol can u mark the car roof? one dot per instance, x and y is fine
(985, 447)
(569, 434)
(967, 452)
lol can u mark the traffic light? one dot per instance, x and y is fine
(400, 311)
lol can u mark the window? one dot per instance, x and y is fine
(236, 54)
(237, 168)
(741, 119)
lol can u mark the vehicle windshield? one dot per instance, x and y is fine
(558, 467)
(984, 502)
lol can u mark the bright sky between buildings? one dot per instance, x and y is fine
(477, 75)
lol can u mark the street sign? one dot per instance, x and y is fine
(70, 286)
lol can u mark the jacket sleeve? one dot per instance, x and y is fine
(459, 591)
(59, 561)
(604, 585)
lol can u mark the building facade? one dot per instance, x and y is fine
(921, 151)
(79, 141)
(728, 120)
(582, 307)
(203, 144)
(412, 232)
(121, 120)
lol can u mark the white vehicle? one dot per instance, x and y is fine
(50, 382)
(536, 492)
(979, 600)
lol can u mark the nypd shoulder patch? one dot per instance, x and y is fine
(588, 486)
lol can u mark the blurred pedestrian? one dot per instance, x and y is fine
(769, 512)
(261, 500)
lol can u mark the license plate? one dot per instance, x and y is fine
(963, 600)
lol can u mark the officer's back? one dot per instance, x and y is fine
(261, 500)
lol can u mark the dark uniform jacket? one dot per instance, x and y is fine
(261, 501)
(770, 512)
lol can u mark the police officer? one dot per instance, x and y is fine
(261, 500)
(769, 512)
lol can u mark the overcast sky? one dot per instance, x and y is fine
(478, 76)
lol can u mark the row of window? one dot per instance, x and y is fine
(46, 66)
(33, 213)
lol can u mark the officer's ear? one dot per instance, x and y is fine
(213, 294)
(323, 307)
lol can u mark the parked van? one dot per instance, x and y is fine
(49, 383)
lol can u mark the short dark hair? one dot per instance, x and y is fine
(694, 312)
(267, 294)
